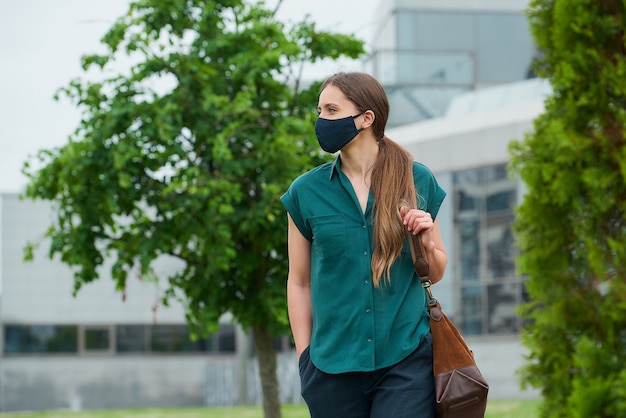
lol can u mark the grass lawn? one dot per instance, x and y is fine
(495, 409)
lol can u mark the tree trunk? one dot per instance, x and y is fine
(264, 345)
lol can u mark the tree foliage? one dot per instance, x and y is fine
(571, 225)
(184, 156)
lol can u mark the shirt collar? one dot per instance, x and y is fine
(335, 167)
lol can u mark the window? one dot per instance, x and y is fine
(226, 339)
(131, 339)
(505, 47)
(175, 339)
(171, 339)
(96, 339)
(454, 69)
(433, 31)
(22, 339)
(487, 287)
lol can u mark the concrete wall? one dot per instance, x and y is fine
(39, 383)
(42, 383)
(40, 292)
(499, 359)
(76, 383)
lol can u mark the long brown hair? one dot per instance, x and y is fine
(392, 173)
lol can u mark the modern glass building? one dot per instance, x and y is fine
(427, 52)
(467, 149)
(448, 60)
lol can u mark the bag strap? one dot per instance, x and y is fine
(422, 268)
(420, 264)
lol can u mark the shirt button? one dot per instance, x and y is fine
(367, 310)
(369, 339)
(364, 252)
(364, 226)
(367, 282)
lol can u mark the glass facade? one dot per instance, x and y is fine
(118, 340)
(40, 339)
(488, 288)
(423, 63)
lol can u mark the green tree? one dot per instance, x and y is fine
(571, 225)
(185, 155)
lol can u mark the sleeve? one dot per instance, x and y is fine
(430, 195)
(291, 202)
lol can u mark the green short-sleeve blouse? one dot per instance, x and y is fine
(356, 326)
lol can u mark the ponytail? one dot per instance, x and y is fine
(392, 187)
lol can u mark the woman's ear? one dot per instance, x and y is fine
(368, 119)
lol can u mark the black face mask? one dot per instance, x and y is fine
(334, 134)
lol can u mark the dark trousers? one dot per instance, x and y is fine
(404, 390)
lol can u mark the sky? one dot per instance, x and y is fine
(41, 42)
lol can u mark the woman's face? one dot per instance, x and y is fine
(333, 104)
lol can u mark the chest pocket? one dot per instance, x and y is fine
(330, 238)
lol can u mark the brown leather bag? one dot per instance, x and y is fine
(460, 388)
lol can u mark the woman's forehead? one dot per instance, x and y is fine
(333, 95)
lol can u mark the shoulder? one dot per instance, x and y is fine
(430, 193)
(423, 178)
(313, 176)
(420, 170)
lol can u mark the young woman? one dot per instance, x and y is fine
(357, 310)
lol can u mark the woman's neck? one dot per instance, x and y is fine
(358, 159)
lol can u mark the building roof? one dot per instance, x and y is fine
(385, 7)
(477, 128)
(498, 97)
(479, 110)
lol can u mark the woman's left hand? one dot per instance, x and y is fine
(416, 220)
